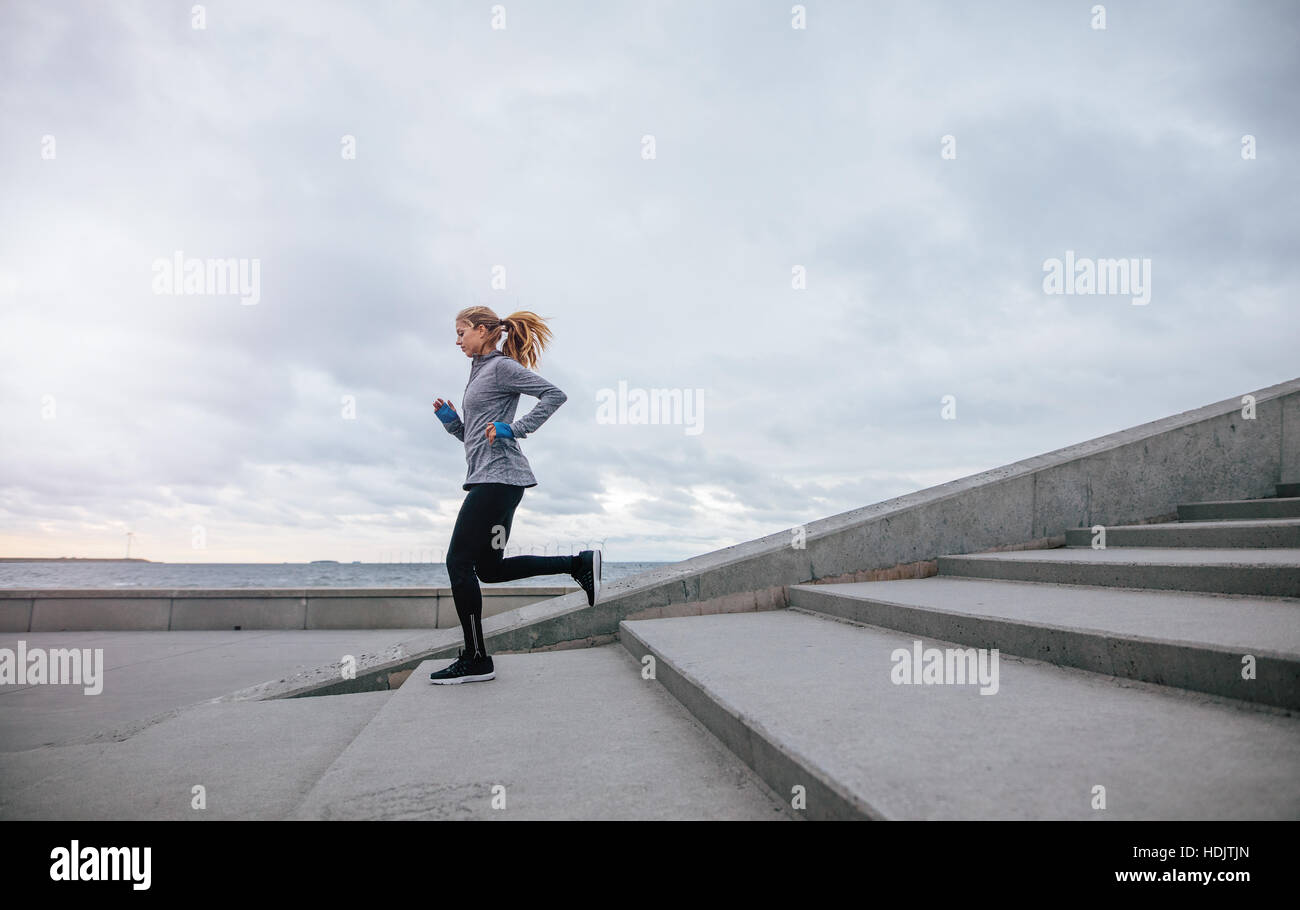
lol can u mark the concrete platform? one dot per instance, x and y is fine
(1175, 638)
(574, 734)
(809, 701)
(254, 760)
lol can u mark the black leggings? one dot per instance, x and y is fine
(477, 546)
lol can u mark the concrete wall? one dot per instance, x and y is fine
(42, 610)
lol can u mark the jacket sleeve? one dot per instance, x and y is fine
(513, 376)
(456, 428)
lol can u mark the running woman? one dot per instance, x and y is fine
(497, 474)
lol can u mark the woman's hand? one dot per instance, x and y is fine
(499, 428)
(449, 416)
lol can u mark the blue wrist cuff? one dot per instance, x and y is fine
(503, 429)
(446, 414)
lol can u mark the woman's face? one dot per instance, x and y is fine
(471, 340)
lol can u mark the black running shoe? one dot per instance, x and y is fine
(588, 574)
(464, 669)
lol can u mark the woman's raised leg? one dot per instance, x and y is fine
(475, 553)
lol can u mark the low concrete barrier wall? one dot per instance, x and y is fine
(185, 609)
(1133, 476)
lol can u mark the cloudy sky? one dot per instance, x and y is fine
(653, 178)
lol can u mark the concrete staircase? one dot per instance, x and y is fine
(1120, 673)
(1119, 668)
(1119, 693)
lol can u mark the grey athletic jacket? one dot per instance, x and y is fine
(492, 393)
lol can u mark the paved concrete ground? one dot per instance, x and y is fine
(254, 760)
(571, 734)
(149, 673)
(574, 734)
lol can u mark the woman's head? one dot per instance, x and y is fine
(478, 330)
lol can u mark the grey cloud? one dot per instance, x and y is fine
(475, 148)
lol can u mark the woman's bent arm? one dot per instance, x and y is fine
(515, 377)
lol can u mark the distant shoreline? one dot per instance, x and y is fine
(71, 559)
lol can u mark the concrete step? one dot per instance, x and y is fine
(1266, 573)
(1285, 490)
(254, 760)
(1173, 638)
(808, 701)
(1233, 509)
(1243, 534)
(570, 734)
